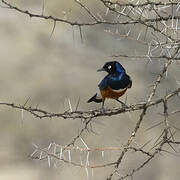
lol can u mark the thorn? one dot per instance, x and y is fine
(73, 35)
(131, 10)
(145, 144)
(77, 104)
(145, 33)
(102, 152)
(137, 2)
(122, 12)
(178, 129)
(153, 126)
(80, 32)
(173, 148)
(69, 155)
(92, 172)
(139, 36)
(70, 107)
(35, 145)
(174, 154)
(177, 21)
(107, 10)
(49, 146)
(84, 143)
(61, 151)
(149, 49)
(22, 116)
(55, 165)
(53, 29)
(26, 101)
(43, 7)
(49, 161)
(34, 152)
(128, 33)
(154, 47)
(81, 160)
(40, 155)
(54, 149)
(149, 59)
(37, 105)
(87, 173)
(178, 6)
(178, 83)
(87, 159)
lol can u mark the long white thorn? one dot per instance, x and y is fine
(128, 33)
(154, 49)
(36, 146)
(149, 49)
(178, 83)
(92, 172)
(102, 154)
(34, 152)
(70, 106)
(55, 165)
(49, 161)
(87, 159)
(139, 35)
(84, 143)
(107, 10)
(54, 149)
(149, 58)
(69, 155)
(87, 173)
(131, 10)
(61, 153)
(22, 116)
(40, 156)
(81, 160)
(49, 147)
(122, 12)
(178, 6)
(177, 21)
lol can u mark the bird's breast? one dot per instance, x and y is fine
(113, 94)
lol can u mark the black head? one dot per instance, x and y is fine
(112, 67)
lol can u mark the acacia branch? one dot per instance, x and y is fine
(40, 113)
(145, 107)
(163, 28)
(96, 19)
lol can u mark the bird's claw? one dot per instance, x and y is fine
(102, 110)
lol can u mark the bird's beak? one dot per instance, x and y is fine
(101, 69)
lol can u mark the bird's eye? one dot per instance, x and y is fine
(109, 67)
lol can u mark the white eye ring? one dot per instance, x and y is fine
(109, 67)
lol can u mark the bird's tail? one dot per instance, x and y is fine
(96, 98)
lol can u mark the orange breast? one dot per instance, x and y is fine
(109, 93)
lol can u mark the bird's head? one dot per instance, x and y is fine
(112, 67)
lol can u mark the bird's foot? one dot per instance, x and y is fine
(124, 106)
(102, 110)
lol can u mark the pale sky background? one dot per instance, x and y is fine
(50, 70)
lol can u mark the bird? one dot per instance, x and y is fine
(114, 84)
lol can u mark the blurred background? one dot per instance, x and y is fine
(49, 70)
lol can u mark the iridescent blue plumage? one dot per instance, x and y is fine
(114, 85)
(118, 80)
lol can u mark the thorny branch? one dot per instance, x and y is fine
(40, 113)
(160, 35)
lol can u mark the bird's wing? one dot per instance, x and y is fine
(116, 82)
(104, 83)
